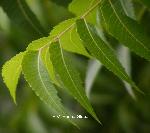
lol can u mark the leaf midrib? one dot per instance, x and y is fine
(27, 17)
(102, 51)
(70, 36)
(62, 55)
(16, 72)
(125, 27)
(56, 38)
(39, 73)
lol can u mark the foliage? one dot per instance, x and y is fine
(47, 63)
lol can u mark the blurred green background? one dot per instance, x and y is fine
(118, 112)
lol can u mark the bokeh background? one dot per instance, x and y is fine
(118, 112)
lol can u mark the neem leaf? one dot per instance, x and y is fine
(102, 51)
(21, 15)
(11, 72)
(69, 76)
(125, 29)
(38, 78)
(37, 44)
(45, 55)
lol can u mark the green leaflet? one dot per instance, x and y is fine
(79, 7)
(37, 44)
(123, 28)
(38, 78)
(61, 27)
(69, 77)
(100, 50)
(48, 63)
(11, 72)
(20, 14)
(70, 40)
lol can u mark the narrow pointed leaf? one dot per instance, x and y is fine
(35, 46)
(21, 15)
(11, 72)
(38, 78)
(69, 76)
(48, 64)
(102, 51)
(123, 28)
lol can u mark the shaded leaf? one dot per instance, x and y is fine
(21, 15)
(100, 50)
(123, 28)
